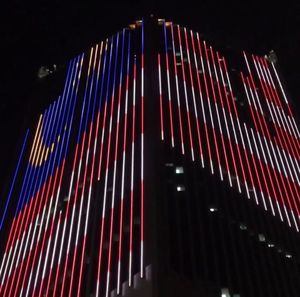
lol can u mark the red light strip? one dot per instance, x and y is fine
(61, 122)
(264, 87)
(66, 215)
(208, 101)
(257, 153)
(132, 177)
(31, 265)
(35, 198)
(115, 168)
(34, 155)
(266, 127)
(169, 88)
(239, 127)
(224, 114)
(123, 172)
(142, 157)
(15, 223)
(286, 100)
(201, 101)
(194, 100)
(87, 155)
(34, 217)
(56, 200)
(215, 104)
(287, 125)
(75, 198)
(90, 186)
(160, 99)
(177, 91)
(292, 148)
(185, 94)
(249, 143)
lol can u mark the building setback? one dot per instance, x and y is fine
(164, 167)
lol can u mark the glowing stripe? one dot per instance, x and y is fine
(239, 126)
(224, 115)
(89, 195)
(13, 181)
(255, 168)
(93, 55)
(216, 108)
(142, 158)
(185, 94)
(123, 170)
(177, 91)
(194, 99)
(68, 203)
(38, 215)
(60, 123)
(56, 188)
(17, 218)
(25, 216)
(168, 82)
(26, 235)
(81, 128)
(87, 155)
(160, 99)
(208, 101)
(132, 176)
(106, 172)
(201, 100)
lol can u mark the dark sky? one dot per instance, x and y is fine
(44, 34)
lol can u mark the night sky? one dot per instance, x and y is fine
(52, 33)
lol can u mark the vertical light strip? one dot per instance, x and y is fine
(89, 123)
(38, 213)
(215, 105)
(14, 179)
(87, 95)
(36, 194)
(18, 215)
(123, 170)
(185, 94)
(177, 91)
(115, 169)
(106, 173)
(132, 177)
(80, 138)
(201, 101)
(23, 227)
(160, 98)
(239, 126)
(90, 188)
(266, 94)
(168, 82)
(55, 165)
(60, 165)
(76, 85)
(224, 115)
(194, 99)
(142, 156)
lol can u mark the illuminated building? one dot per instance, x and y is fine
(162, 169)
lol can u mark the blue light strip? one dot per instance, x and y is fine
(14, 179)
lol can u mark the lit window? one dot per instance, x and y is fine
(213, 209)
(180, 188)
(179, 170)
(270, 245)
(225, 292)
(261, 237)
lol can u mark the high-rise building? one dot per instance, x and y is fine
(164, 167)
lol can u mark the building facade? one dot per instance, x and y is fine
(164, 167)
